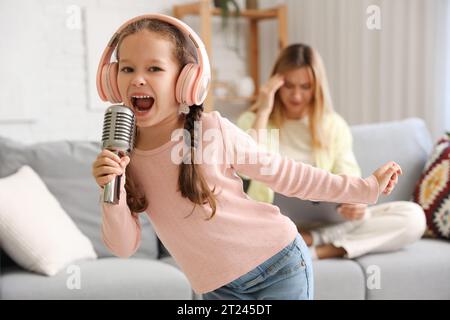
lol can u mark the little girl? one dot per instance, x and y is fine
(228, 245)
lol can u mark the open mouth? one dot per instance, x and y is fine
(142, 104)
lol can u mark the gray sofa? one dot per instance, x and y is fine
(420, 271)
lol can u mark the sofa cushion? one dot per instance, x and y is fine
(418, 271)
(65, 168)
(433, 190)
(338, 279)
(107, 278)
(34, 229)
(407, 142)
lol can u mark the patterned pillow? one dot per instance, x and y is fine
(432, 191)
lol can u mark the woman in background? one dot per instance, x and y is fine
(296, 100)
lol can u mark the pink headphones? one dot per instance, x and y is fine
(192, 84)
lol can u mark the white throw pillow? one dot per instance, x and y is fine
(35, 230)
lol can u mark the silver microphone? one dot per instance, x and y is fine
(118, 136)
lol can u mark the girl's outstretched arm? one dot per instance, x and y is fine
(291, 178)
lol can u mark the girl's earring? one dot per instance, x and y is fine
(183, 108)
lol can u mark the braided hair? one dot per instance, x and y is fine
(191, 182)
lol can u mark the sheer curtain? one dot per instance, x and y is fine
(399, 70)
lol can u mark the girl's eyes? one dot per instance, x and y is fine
(151, 69)
(154, 69)
(126, 69)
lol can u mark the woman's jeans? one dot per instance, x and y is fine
(287, 275)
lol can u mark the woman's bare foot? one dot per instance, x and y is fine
(329, 251)
(323, 251)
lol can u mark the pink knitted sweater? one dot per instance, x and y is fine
(243, 233)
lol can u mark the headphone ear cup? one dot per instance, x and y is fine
(186, 83)
(112, 77)
(103, 83)
(200, 89)
(108, 83)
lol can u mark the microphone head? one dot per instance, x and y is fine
(119, 129)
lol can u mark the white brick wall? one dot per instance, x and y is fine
(47, 66)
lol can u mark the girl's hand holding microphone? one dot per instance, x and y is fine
(107, 166)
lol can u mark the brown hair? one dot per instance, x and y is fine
(298, 56)
(191, 182)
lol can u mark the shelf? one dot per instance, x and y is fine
(235, 98)
(256, 14)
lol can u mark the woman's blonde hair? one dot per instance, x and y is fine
(191, 182)
(298, 56)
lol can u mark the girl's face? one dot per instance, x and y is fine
(147, 77)
(297, 92)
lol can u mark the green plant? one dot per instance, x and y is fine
(224, 5)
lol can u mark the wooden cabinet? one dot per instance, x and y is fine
(205, 10)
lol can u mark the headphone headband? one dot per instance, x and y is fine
(202, 56)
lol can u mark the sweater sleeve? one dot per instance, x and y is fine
(121, 229)
(245, 120)
(345, 160)
(291, 178)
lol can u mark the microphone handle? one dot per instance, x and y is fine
(111, 191)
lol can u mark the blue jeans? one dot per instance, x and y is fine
(287, 275)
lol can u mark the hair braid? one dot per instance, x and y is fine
(191, 182)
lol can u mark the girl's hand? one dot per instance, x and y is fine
(107, 165)
(267, 93)
(352, 211)
(387, 177)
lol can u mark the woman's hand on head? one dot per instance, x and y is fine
(387, 177)
(352, 211)
(107, 166)
(267, 93)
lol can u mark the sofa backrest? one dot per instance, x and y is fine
(65, 168)
(407, 142)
